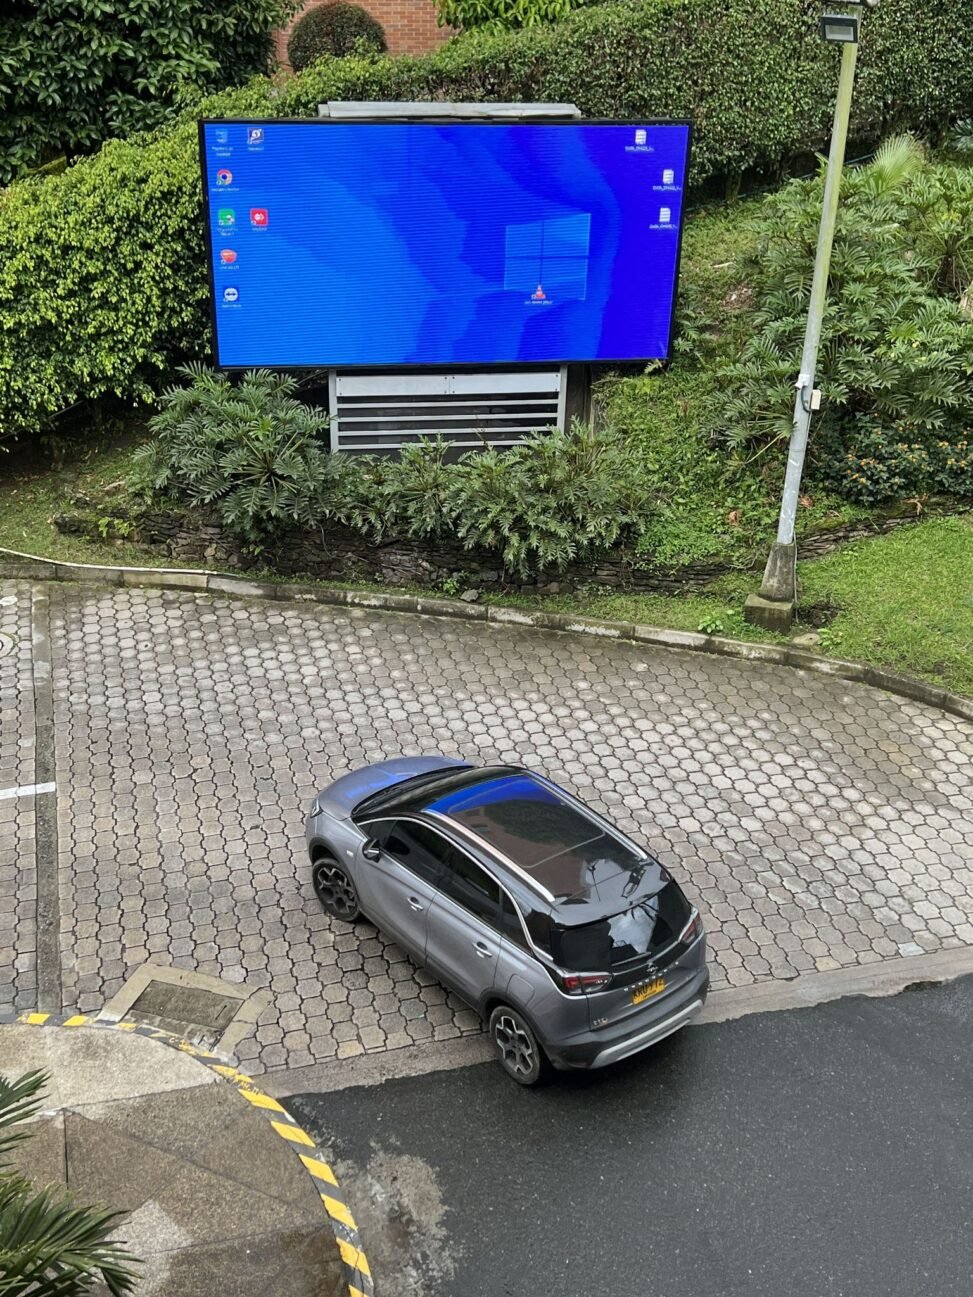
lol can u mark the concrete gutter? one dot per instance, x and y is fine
(888, 978)
(30, 567)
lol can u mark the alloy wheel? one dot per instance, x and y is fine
(516, 1047)
(335, 891)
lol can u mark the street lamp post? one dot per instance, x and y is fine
(773, 607)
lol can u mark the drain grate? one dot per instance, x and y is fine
(186, 1010)
(202, 1009)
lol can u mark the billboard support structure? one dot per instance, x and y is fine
(379, 411)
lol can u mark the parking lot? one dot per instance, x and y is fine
(819, 824)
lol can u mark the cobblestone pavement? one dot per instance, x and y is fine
(819, 824)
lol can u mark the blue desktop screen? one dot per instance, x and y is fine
(344, 244)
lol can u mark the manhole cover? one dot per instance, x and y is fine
(6, 645)
(186, 1010)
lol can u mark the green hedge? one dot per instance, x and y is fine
(76, 72)
(102, 276)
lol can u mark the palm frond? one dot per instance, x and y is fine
(19, 1101)
(49, 1247)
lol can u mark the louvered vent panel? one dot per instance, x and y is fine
(385, 412)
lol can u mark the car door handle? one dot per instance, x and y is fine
(415, 903)
(482, 949)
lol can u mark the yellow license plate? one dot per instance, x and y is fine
(646, 992)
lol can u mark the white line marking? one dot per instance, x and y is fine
(26, 790)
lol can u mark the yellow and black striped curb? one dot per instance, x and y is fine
(357, 1273)
(15, 566)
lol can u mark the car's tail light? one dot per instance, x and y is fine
(692, 930)
(582, 983)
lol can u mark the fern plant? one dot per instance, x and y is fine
(251, 451)
(419, 486)
(897, 337)
(558, 497)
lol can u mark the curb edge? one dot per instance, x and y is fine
(358, 1276)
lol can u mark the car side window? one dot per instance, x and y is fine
(417, 848)
(539, 927)
(468, 885)
(510, 924)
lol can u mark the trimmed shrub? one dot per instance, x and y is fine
(77, 72)
(336, 28)
(102, 275)
(880, 461)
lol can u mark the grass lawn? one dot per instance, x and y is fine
(32, 493)
(902, 601)
(906, 600)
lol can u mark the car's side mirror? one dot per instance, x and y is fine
(371, 850)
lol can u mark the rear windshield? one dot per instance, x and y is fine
(609, 944)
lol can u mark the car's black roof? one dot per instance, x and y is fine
(536, 835)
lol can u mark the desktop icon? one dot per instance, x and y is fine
(538, 294)
(231, 294)
(640, 137)
(258, 216)
(221, 135)
(227, 256)
(224, 177)
(665, 215)
(226, 216)
(255, 135)
(668, 176)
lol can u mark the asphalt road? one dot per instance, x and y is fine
(823, 1152)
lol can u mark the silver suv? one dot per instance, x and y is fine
(574, 944)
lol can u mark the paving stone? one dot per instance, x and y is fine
(817, 823)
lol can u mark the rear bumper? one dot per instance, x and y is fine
(600, 1051)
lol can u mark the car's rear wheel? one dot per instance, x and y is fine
(518, 1050)
(335, 890)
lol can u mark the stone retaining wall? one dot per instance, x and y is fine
(340, 554)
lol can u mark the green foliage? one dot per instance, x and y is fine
(254, 454)
(830, 639)
(960, 138)
(711, 625)
(896, 365)
(103, 282)
(699, 503)
(559, 497)
(19, 1101)
(76, 72)
(453, 584)
(417, 490)
(110, 526)
(381, 496)
(336, 28)
(251, 451)
(882, 462)
(501, 15)
(49, 1247)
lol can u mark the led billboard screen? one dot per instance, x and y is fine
(341, 244)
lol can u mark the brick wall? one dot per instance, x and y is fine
(410, 26)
